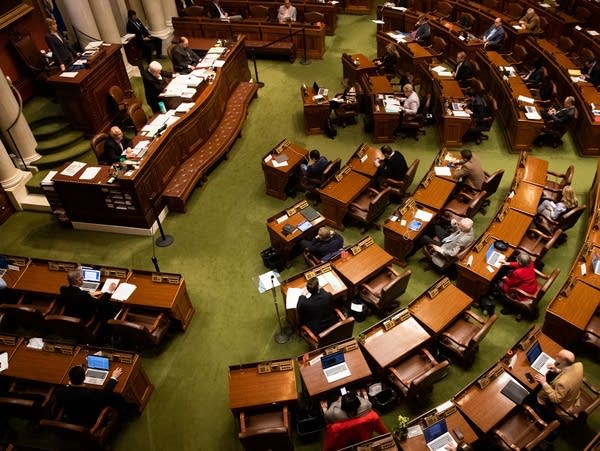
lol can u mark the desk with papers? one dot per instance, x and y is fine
(281, 167)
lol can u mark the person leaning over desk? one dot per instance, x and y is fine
(62, 54)
(347, 406)
(155, 80)
(316, 309)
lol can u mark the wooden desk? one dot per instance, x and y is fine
(486, 407)
(316, 113)
(249, 388)
(354, 65)
(385, 123)
(437, 313)
(454, 420)
(84, 98)
(511, 228)
(436, 193)
(387, 347)
(534, 170)
(377, 84)
(337, 196)
(526, 198)
(365, 165)
(278, 178)
(381, 442)
(355, 269)
(314, 380)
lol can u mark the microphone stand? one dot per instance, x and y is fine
(163, 240)
(280, 337)
(260, 84)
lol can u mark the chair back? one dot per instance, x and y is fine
(72, 328)
(570, 218)
(492, 4)
(15, 315)
(443, 10)
(170, 50)
(491, 183)
(342, 330)
(466, 21)
(98, 146)
(134, 333)
(394, 289)
(439, 45)
(116, 94)
(259, 12)
(377, 205)
(194, 11)
(28, 52)
(520, 53)
(137, 116)
(565, 44)
(134, 53)
(582, 14)
(330, 170)
(313, 17)
(586, 54)
(515, 10)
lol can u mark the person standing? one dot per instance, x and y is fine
(286, 13)
(62, 54)
(148, 42)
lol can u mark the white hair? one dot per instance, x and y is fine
(154, 66)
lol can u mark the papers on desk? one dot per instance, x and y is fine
(574, 72)
(511, 70)
(188, 80)
(292, 296)
(438, 69)
(524, 99)
(517, 27)
(73, 168)
(593, 33)
(460, 113)
(268, 280)
(35, 343)
(544, 5)
(89, 173)
(107, 283)
(184, 107)
(218, 63)
(330, 278)
(377, 21)
(414, 431)
(127, 37)
(392, 104)
(442, 171)
(94, 45)
(123, 291)
(216, 51)
(532, 114)
(423, 215)
(277, 164)
(399, 8)
(69, 74)
(158, 122)
(398, 36)
(3, 361)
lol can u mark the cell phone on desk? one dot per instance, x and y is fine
(343, 391)
(530, 378)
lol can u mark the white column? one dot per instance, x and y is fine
(157, 23)
(81, 17)
(19, 137)
(170, 9)
(10, 175)
(105, 21)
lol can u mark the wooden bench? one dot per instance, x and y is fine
(197, 165)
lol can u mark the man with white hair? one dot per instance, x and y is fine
(115, 145)
(562, 394)
(449, 246)
(531, 21)
(155, 80)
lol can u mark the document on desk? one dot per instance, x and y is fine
(533, 116)
(442, 171)
(123, 291)
(330, 278)
(438, 69)
(3, 361)
(89, 173)
(73, 168)
(218, 63)
(460, 113)
(107, 284)
(525, 99)
(292, 296)
(69, 74)
(422, 215)
(277, 164)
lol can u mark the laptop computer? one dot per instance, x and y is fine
(595, 264)
(97, 369)
(515, 392)
(437, 436)
(334, 366)
(91, 279)
(320, 91)
(3, 265)
(493, 257)
(538, 359)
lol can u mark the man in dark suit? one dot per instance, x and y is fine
(82, 405)
(556, 118)
(423, 30)
(316, 165)
(494, 36)
(591, 72)
(393, 165)
(324, 244)
(217, 12)
(114, 145)
(155, 80)
(62, 53)
(80, 303)
(463, 70)
(317, 310)
(148, 42)
(184, 58)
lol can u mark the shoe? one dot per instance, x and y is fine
(478, 140)
(505, 311)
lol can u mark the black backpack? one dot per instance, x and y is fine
(330, 129)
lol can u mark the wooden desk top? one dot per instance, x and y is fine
(295, 220)
(450, 87)
(486, 407)
(249, 388)
(314, 379)
(380, 84)
(454, 421)
(296, 154)
(153, 294)
(357, 268)
(437, 313)
(436, 193)
(106, 49)
(535, 171)
(38, 278)
(39, 365)
(418, 51)
(512, 228)
(299, 281)
(526, 198)
(479, 264)
(403, 230)
(308, 98)
(346, 190)
(367, 165)
(9, 348)
(578, 306)
(389, 346)
(364, 62)
(381, 442)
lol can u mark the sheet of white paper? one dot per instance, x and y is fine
(69, 74)
(442, 171)
(73, 168)
(123, 291)
(525, 99)
(89, 173)
(291, 298)
(422, 215)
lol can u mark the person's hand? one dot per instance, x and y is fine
(436, 248)
(116, 373)
(96, 294)
(147, 38)
(62, 67)
(540, 378)
(377, 162)
(451, 446)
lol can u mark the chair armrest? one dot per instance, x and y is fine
(545, 433)
(502, 436)
(555, 174)
(533, 417)
(485, 329)
(242, 422)
(387, 182)
(523, 295)
(591, 388)
(537, 233)
(434, 369)
(396, 374)
(309, 333)
(286, 417)
(340, 315)
(102, 419)
(476, 317)
(428, 355)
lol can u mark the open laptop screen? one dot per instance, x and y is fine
(98, 362)
(534, 352)
(327, 361)
(435, 430)
(91, 275)
(315, 87)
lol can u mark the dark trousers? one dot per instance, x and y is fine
(154, 44)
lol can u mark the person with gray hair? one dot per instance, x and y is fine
(441, 251)
(521, 276)
(155, 80)
(325, 244)
(561, 395)
(80, 303)
(531, 21)
(115, 145)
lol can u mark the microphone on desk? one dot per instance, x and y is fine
(160, 131)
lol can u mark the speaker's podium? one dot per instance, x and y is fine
(84, 97)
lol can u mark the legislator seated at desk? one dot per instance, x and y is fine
(84, 304)
(155, 80)
(316, 308)
(557, 122)
(393, 166)
(494, 37)
(353, 430)
(387, 64)
(444, 248)
(184, 59)
(115, 146)
(323, 247)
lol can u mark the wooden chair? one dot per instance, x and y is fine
(341, 330)
(398, 188)
(527, 304)
(96, 437)
(310, 184)
(443, 10)
(137, 116)
(466, 21)
(554, 131)
(346, 113)
(382, 290)
(39, 66)
(565, 44)
(25, 399)
(537, 243)
(438, 47)
(354, 430)
(465, 204)
(28, 312)
(514, 10)
(553, 188)
(477, 128)
(194, 11)
(591, 336)
(259, 12)
(413, 124)
(415, 376)
(589, 400)
(70, 328)
(121, 101)
(139, 329)
(518, 56)
(368, 207)
(522, 429)
(564, 222)
(266, 430)
(582, 14)
(492, 4)
(461, 339)
(97, 145)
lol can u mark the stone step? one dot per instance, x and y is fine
(57, 158)
(60, 143)
(48, 129)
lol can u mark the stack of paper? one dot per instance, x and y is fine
(123, 291)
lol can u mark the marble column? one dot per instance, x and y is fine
(170, 10)
(81, 17)
(157, 23)
(19, 137)
(105, 21)
(10, 175)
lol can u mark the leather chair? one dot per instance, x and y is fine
(352, 431)
(553, 132)
(139, 328)
(259, 12)
(25, 399)
(310, 185)
(565, 44)
(492, 4)
(415, 376)
(73, 329)
(341, 330)
(522, 429)
(97, 145)
(490, 186)
(121, 101)
(591, 336)
(39, 66)
(346, 113)
(314, 17)
(137, 116)
(449, 262)
(545, 103)
(537, 243)
(466, 83)
(518, 56)
(194, 11)
(564, 222)
(477, 129)
(398, 188)
(466, 21)
(28, 312)
(589, 400)
(438, 47)
(266, 430)
(594, 444)
(134, 54)
(367, 207)
(461, 339)
(96, 437)
(553, 188)
(382, 290)
(465, 204)
(443, 10)
(527, 304)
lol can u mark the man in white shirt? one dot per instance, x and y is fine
(286, 12)
(412, 102)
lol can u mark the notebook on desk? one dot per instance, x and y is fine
(515, 392)
(309, 213)
(538, 359)
(91, 279)
(320, 91)
(437, 436)
(97, 369)
(335, 367)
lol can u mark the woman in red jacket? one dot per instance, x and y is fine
(522, 276)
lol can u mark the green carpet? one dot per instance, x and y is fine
(217, 246)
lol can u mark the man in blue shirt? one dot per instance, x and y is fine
(494, 36)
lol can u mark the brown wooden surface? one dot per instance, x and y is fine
(315, 113)
(512, 228)
(277, 178)
(455, 421)
(357, 268)
(314, 380)
(337, 196)
(249, 388)
(436, 194)
(353, 71)
(535, 171)
(366, 167)
(526, 198)
(437, 313)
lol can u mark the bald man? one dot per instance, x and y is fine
(562, 394)
(115, 145)
(531, 21)
(449, 246)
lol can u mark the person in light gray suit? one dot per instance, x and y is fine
(441, 254)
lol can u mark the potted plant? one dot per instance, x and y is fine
(401, 429)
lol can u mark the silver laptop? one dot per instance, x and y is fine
(335, 367)
(538, 359)
(91, 279)
(437, 436)
(97, 369)
(493, 258)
